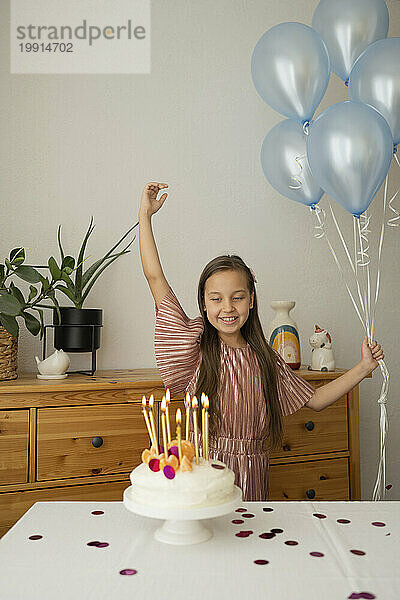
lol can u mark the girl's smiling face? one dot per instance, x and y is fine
(227, 301)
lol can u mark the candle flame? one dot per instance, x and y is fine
(206, 403)
(187, 400)
(163, 403)
(144, 401)
(178, 416)
(168, 396)
(202, 398)
(194, 402)
(151, 401)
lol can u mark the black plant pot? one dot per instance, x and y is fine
(79, 330)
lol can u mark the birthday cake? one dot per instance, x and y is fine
(180, 483)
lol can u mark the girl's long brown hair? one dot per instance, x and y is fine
(209, 375)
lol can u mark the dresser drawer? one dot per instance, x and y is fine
(13, 505)
(66, 444)
(315, 480)
(14, 435)
(311, 432)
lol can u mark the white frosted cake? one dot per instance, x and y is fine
(181, 484)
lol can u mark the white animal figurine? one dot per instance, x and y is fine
(54, 366)
(322, 358)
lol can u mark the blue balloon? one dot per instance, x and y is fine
(285, 165)
(290, 69)
(348, 27)
(375, 80)
(349, 149)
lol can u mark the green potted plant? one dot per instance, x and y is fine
(13, 304)
(77, 329)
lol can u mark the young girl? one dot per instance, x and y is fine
(224, 354)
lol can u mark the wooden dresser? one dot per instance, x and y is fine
(78, 439)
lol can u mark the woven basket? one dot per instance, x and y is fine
(8, 355)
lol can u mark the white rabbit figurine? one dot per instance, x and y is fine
(54, 366)
(322, 358)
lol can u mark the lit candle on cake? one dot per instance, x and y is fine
(187, 405)
(178, 432)
(207, 405)
(203, 424)
(146, 420)
(164, 431)
(196, 441)
(153, 425)
(168, 400)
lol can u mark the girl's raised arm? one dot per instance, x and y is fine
(151, 265)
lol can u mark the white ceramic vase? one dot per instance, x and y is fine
(283, 335)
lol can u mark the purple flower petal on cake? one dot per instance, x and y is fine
(237, 521)
(267, 509)
(291, 543)
(277, 530)
(319, 516)
(378, 524)
(128, 572)
(267, 535)
(154, 464)
(248, 515)
(261, 561)
(174, 450)
(343, 521)
(97, 512)
(169, 472)
(358, 552)
(215, 466)
(316, 554)
(35, 537)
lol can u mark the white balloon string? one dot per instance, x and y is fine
(324, 234)
(380, 484)
(363, 260)
(392, 221)
(378, 275)
(296, 177)
(319, 229)
(364, 222)
(353, 266)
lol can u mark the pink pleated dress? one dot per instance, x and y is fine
(244, 422)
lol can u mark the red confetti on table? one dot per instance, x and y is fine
(291, 543)
(128, 572)
(268, 509)
(277, 530)
(343, 521)
(358, 552)
(266, 536)
(97, 544)
(215, 466)
(241, 510)
(319, 516)
(261, 561)
(35, 537)
(378, 524)
(243, 534)
(316, 554)
(361, 596)
(389, 486)
(97, 512)
(248, 515)
(237, 521)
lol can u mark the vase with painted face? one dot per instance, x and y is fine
(283, 335)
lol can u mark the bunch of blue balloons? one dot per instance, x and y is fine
(347, 151)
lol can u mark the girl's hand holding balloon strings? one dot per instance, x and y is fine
(371, 354)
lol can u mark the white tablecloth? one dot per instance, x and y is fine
(60, 565)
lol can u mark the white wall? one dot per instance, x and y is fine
(73, 146)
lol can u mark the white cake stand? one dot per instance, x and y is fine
(182, 526)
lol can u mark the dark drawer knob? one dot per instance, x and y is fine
(309, 425)
(310, 494)
(286, 447)
(97, 441)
